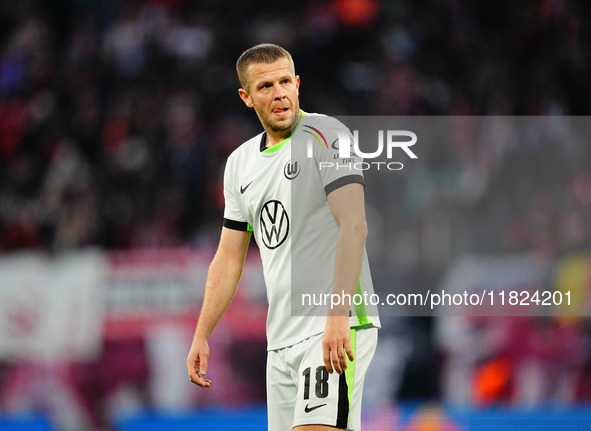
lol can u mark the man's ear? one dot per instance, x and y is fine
(245, 97)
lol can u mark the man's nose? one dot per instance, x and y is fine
(278, 91)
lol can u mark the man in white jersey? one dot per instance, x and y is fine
(267, 186)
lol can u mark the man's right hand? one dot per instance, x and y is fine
(197, 363)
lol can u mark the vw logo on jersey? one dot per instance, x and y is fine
(291, 170)
(274, 224)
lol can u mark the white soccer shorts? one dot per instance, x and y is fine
(301, 392)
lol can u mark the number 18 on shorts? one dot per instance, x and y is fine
(300, 391)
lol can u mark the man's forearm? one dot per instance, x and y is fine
(222, 279)
(336, 344)
(349, 259)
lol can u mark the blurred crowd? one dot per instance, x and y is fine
(117, 116)
(116, 119)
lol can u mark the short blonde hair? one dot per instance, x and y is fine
(263, 53)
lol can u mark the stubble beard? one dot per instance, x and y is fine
(278, 127)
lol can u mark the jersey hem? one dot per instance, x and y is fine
(291, 342)
(366, 326)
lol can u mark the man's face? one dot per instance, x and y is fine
(272, 90)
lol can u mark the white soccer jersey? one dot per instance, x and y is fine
(280, 194)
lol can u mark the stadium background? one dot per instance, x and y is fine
(115, 121)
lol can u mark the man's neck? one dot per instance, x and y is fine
(276, 138)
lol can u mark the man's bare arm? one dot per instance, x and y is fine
(222, 279)
(348, 208)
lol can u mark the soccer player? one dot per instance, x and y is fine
(317, 361)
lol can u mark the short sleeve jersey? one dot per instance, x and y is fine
(281, 195)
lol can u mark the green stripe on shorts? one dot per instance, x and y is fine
(350, 371)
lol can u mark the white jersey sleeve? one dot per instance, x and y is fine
(233, 215)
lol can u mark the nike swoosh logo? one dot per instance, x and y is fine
(309, 409)
(243, 189)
